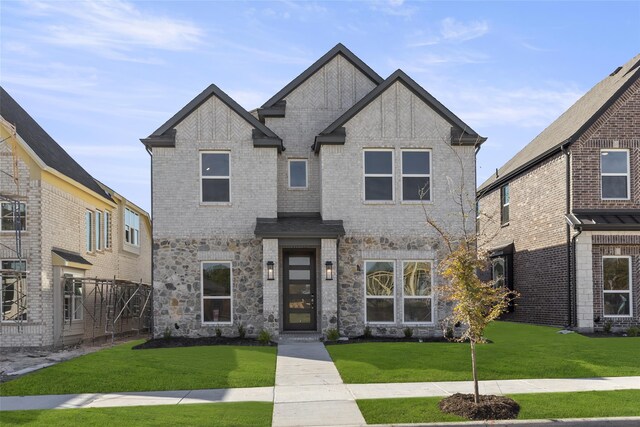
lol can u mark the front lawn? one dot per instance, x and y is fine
(517, 351)
(120, 369)
(220, 414)
(589, 404)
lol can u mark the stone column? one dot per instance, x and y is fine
(584, 282)
(271, 288)
(329, 289)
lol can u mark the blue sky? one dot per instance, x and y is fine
(100, 75)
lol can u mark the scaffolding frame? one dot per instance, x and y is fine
(114, 306)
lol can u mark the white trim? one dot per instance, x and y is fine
(202, 297)
(135, 239)
(26, 289)
(502, 204)
(98, 218)
(23, 223)
(107, 229)
(413, 175)
(306, 173)
(627, 174)
(430, 297)
(630, 284)
(378, 175)
(72, 299)
(392, 297)
(228, 177)
(89, 245)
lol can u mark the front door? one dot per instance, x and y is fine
(299, 283)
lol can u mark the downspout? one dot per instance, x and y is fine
(151, 308)
(570, 241)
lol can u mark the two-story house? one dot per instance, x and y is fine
(58, 228)
(308, 213)
(561, 219)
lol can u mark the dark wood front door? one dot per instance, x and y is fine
(299, 290)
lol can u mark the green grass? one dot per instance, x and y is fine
(517, 351)
(219, 414)
(120, 369)
(589, 404)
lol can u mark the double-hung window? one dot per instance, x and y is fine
(380, 291)
(416, 175)
(88, 233)
(614, 174)
(107, 229)
(98, 230)
(504, 204)
(378, 175)
(215, 177)
(8, 220)
(217, 285)
(72, 298)
(298, 174)
(417, 291)
(131, 227)
(616, 275)
(13, 296)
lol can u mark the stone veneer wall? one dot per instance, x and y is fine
(353, 251)
(177, 287)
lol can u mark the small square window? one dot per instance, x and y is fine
(298, 173)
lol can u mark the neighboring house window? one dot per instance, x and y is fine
(217, 283)
(298, 173)
(88, 230)
(378, 175)
(379, 291)
(477, 216)
(614, 170)
(7, 222)
(13, 296)
(504, 204)
(416, 175)
(417, 287)
(214, 177)
(131, 227)
(616, 272)
(98, 230)
(107, 229)
(72, 298)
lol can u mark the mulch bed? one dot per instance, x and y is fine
(363, 339)
(202, 341)
(490, 407)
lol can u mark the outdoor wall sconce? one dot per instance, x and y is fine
(329, 270)
(270, 270)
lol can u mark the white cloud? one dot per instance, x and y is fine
(113, 28)
(457, 31)
(393, 8)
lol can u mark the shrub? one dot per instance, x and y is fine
(633, 331)
(408, 332)
(241, 331)
(449, 334)
(607, 327)
(264, 337)
(167, 333)
(367, 332)
(218, 332)
(333, 334)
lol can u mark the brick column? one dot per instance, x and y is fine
(271, 288)
(584, 282)
(328, 288)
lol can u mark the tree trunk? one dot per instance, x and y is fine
(476, 393)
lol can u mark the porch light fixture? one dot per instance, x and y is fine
(329, 270)
(270, 270)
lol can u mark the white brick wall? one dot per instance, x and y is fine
(329, 296)
(270, 290)
(584, 282)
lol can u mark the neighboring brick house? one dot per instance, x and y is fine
(70, 226)
(330, 233)
(561, 219)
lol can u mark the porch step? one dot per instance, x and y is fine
(299, 337)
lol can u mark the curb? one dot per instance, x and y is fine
(561, 422)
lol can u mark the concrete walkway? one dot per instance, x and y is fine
(309, 390)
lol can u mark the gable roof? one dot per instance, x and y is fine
(43, 145)
(165, 136)
(335, 133)
(570, 125)
(270, 108)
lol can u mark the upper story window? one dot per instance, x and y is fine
(131, 227)
(7, 220)
(88, 234)
(214, 177)
(504, 204)
(378, 175)
(107, 229)
(298, 173)
(98, 230)
(13, 295)
(614, 171)
(416, 175)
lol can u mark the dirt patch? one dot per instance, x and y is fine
(202, 341)
(490, 407)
